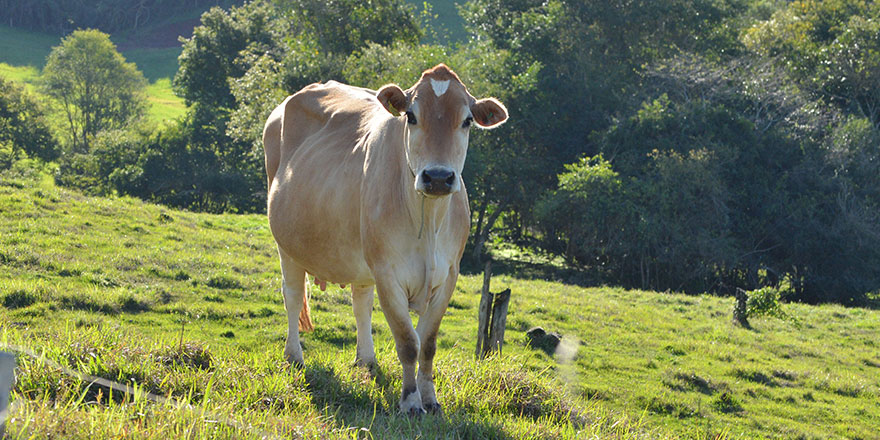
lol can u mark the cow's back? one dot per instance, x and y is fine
(314, 146)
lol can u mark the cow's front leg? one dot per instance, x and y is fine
(395, 306)
(293, 289)
(362, 303)
(428, 327)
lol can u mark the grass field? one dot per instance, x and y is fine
(188, 305)
(23, 54)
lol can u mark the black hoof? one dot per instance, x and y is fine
(434, 408)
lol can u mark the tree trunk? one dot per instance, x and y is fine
(484, 234)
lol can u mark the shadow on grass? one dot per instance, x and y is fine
(377, 415)
(528, 270)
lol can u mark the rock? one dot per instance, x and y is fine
(539, 339)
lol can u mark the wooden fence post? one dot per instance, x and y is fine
(492, 316)
(7, 380)
(499, 319)
(485, 310)
(740, 309)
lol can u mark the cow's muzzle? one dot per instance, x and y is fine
(437, 181)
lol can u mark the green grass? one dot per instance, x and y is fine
(19, 47)
(23, 54)
(165, 106)
(24, 74)
(188, 305)
(156, 64)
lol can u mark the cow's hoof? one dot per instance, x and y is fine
(434, 408)
(294, 361)
(371, 365)
(416, 412)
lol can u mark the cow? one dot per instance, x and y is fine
(365, 189)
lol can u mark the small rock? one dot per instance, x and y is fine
(539, 339)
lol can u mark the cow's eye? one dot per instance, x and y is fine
(410, 117)
(467, 122)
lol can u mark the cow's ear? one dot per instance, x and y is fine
(392, 98)
(489, 113)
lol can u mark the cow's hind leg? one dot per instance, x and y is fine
(294, 290)
(362, 303)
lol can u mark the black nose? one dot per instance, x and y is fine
(438, 181)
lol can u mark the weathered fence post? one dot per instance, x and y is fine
(740, 310)
(499, 319)
(7, 378)
(492, 316)
(484, 311)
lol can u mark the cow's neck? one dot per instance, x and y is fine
(430, 216)
(427, 213)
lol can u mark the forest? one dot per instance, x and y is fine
(690, 146)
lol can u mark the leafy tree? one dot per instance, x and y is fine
(829, 48)
(93, 84)
(589, 218)
(210, 58)
(23, 123)
(344, 26)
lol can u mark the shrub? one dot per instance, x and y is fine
(767, 302)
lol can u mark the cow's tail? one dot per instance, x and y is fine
(305, 315)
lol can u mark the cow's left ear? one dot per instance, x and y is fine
(392, 98)
(489, 113)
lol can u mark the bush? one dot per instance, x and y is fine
(767, 301)
(23, 126)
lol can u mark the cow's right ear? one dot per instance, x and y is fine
(392, 98)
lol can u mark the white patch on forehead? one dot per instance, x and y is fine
(439, 87)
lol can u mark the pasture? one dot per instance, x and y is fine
(188, 305)
(23, 54)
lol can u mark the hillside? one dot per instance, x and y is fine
(187, 305)
(23, 54)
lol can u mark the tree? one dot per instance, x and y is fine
(211, 57)
(23, 123)
(829, 48)
(93, 84)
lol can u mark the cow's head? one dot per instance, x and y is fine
(438, 112)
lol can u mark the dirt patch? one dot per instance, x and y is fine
(161, 37)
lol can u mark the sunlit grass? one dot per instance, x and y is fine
(165, 106)
(23, 74)
(174, 301)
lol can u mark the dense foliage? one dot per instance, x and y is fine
(23, 126)
(686, 145)
(62, 16)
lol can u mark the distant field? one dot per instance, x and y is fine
(188, 304)
(20, 47)
(23, 54)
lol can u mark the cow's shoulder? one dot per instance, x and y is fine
(322, 102)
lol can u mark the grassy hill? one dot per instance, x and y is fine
(188, 305)
(23, 54)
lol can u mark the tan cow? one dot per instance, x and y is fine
(360, 196)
